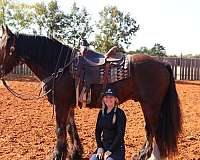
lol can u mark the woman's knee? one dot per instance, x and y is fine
(94, 157)
(109, 158)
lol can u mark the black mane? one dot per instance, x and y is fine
(42, 51)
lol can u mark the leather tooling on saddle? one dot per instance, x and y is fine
(95, 68)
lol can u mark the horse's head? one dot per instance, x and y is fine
(8, 57)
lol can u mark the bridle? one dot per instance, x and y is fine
(57, 74)
(12, 51)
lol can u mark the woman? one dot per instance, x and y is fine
(110, 129)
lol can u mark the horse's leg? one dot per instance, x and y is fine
(62, 113)
(151, 124)
(155, 153)
(146, 150)
(77, 149)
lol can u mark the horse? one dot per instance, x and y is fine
(151, 83)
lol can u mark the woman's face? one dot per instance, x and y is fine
(110, 101)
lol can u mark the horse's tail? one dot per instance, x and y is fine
(170, 124)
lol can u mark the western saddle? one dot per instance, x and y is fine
(96, 68)
(96, 59)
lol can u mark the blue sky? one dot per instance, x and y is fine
(173, 23)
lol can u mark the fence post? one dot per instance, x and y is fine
(181, 64)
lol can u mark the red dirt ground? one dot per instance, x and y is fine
(27, 129)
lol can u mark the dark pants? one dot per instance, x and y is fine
(118, 154)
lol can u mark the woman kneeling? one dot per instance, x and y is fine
(110, 129)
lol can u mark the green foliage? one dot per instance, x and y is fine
(67, 27)
(156, 50)
(173, 55)
(143, 50)
(49, 19)
(196, 56)
(40, 16)
(115, 28)
(19, 16)
(54, 20)
(3, 9)
(191, 56)
(78, 26)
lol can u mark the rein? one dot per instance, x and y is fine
(21, 96)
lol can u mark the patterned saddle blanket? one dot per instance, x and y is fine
(95, 68)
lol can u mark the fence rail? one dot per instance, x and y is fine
(22, 70)
(183, 68)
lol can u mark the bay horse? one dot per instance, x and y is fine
(151, 83)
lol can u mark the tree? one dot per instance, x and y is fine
(78, 26)
(196, 56)
(115, 28)
(19, 16)
(143, 50)
(189, 55)
(3, 9)
(54, 20)
(40, 15)
(158, 50)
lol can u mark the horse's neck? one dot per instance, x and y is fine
(38, 71)
(42, 64)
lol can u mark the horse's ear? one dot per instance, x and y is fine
(8, 31)
(3, 30)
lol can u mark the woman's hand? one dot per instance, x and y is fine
(100, 153)
(107, 154)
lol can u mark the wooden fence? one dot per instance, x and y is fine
(22, 70)
(183, 68)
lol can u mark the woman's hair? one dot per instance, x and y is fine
(114, 116)
(115, 109)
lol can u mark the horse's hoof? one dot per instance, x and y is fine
(144, 153)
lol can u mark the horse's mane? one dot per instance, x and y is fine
(42, 50)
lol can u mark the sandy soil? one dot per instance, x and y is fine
(27, 128)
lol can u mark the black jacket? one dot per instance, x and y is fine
(108, 135)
